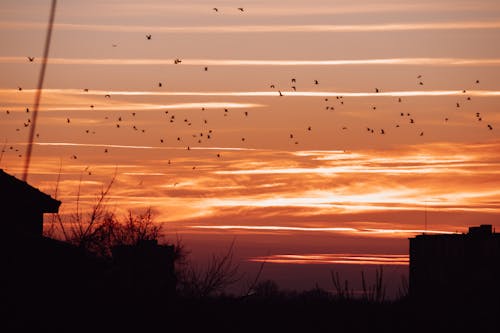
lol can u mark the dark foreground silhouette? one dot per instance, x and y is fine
(74, 291)
(130, 284)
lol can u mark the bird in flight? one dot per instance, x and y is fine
(215, 9)
(31, 59)
(240, 9)
(490, 127)
(148, 36)
(177, 61)
(107, 96)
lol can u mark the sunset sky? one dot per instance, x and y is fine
(319, 135)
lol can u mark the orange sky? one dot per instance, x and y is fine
(295, 175)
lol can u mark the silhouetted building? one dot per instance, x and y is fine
(22, 207)
(456, 266)
(145, 268)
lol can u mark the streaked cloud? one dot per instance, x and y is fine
(265, 62)
(228, 104)
(335, 258)
(352, 231)
(384, 27)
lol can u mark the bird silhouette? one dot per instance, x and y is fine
(107, 96)
(215, 9)
(421, 133)
(31, 59)
(316, 82)
(490, 127)
(294, 88)
(160, 84)
(376, 90)
(148, 37)
(382, 131)
(241, 9)
(293, 80)
(67, 120)
(177, 61)
(272, 86)
(280, 93)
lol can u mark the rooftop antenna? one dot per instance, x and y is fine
(38, 93)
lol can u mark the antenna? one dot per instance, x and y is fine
(39, 88)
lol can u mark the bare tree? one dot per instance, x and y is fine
(376, 292)
(342, 290)
(220, 273)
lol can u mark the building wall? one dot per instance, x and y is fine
(464, 266)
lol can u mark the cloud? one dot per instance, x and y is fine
(335, 258)
(265, 62)
(384, 27)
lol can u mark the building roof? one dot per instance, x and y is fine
(14, 191)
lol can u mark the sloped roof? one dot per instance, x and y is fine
(14, 192)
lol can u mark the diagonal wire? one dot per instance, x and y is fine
(38, 94)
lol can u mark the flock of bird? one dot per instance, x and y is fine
(201, 136)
